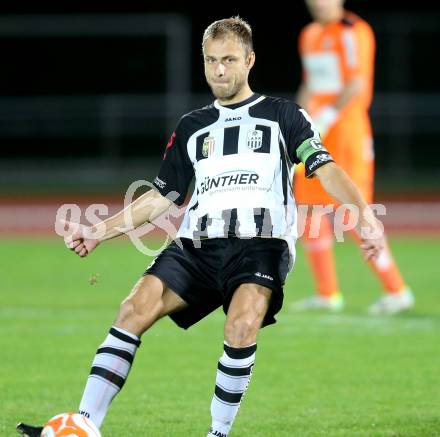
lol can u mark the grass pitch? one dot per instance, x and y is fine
(326, 375)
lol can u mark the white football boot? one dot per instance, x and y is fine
(393, 303)
(333, 303)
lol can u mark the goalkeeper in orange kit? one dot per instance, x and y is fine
(337, 54)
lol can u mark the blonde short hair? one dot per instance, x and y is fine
(234, 25)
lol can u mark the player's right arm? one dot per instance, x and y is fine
(170, 186)
(145, 208)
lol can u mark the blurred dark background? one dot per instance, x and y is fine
(89, 95)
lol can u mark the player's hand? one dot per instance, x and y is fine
(374, 242)
(325, 118)
(79, 240)
(372, 248)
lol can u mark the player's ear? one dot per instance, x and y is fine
(250, 60)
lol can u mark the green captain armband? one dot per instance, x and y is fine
(313, 154)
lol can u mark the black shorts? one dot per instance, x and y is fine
(206, 276)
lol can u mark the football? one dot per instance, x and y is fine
(70, 425)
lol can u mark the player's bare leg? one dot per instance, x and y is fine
(245, 316)
(246, 312)
(149, 300)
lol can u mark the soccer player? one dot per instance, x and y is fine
(337, 53)
(238, 232)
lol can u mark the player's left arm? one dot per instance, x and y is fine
(340, 186)
(304, 145)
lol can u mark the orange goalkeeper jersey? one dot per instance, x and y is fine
(332, 55)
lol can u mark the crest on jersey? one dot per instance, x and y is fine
(327, 43)
(255, 139)
(208, 146)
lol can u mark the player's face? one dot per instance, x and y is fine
(227, 66)
(324, 10)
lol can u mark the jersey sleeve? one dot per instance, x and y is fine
(303, 141)
(176, 171)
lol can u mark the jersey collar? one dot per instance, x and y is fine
(250, 101)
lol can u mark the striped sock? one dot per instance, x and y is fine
(233, 374)
(109, 371)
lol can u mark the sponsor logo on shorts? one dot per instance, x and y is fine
(264, 276)
(159, 183)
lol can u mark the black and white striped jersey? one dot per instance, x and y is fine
(242, 157)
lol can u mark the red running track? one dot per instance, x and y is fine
(36, 216)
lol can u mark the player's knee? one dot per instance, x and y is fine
(241, 331)
(140, 311)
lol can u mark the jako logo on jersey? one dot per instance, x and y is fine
(208, 146)
(232, 119)
(255, 139)
(159, 183)
(262, 275)
(226, 180)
